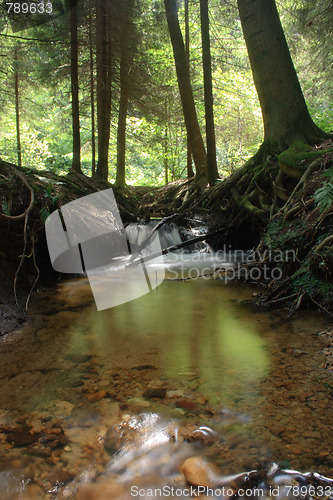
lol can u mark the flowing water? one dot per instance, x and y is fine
(187, 385)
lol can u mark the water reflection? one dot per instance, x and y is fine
(185, 370)
(192, 333)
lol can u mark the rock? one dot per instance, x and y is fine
(40, 451)
(294, 450)
(21, 437)
(201, 400)
(77, 357)
(111, 440)
(97, 396)
(275, 428)
(61, 409)
(175, 394)
(312, 434)
(199, 472)
(155, 392)
(78, 383)
(187, 404)
(143, 367)
(302, 396)
(324, 453)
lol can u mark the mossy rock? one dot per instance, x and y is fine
(295, 160)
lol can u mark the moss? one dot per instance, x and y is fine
(295, 160)
(297, 153)
(306, 280)
(279, 232)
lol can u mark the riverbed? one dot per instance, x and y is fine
(98, 403)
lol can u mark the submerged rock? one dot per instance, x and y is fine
(155, 392)
(97, 396)
(199, 472)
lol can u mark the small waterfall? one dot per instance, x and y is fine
(193, 261)
(170, 235)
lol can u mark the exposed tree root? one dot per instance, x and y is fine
(47, 192)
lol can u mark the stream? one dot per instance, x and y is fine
(189, 386)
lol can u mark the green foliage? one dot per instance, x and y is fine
(156, 136)
(324, 196)
(44, 213)
(304, 279)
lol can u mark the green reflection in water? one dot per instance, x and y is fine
(242, 348)
(194, 328)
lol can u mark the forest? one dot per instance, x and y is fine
(212, 123)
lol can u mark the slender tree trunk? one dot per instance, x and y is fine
(285, 114)
(124, 85)
(92, 96)
(17, 109)
(75, 87)
(208, 93)
(185, 90)
(104, 74)
(165, 144)
(189, 168)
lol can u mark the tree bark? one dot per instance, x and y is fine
(165, 144)
(17, 109)
(75, 88)
(124, 85)
(104, 73)
(189, 168)
(208, 93)
(185, 90)
(285, 114)
(92, 95)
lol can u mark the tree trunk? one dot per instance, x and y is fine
(104, 72)
(75, 88)
(165, 144)
(285, 114)
(92, 96)
(185, 90)
(17, 109)
(189, 168)
(124, 84)
(208, 93)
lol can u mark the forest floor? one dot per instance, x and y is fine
(280, 207)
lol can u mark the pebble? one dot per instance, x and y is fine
(199, 472)
(275, 428)
(97, 396)
(78, 357)
(112, 440)
(155, 392)
(201, 400)
(175, 394)
(187, 404)
(302, 396)
(312, 434)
